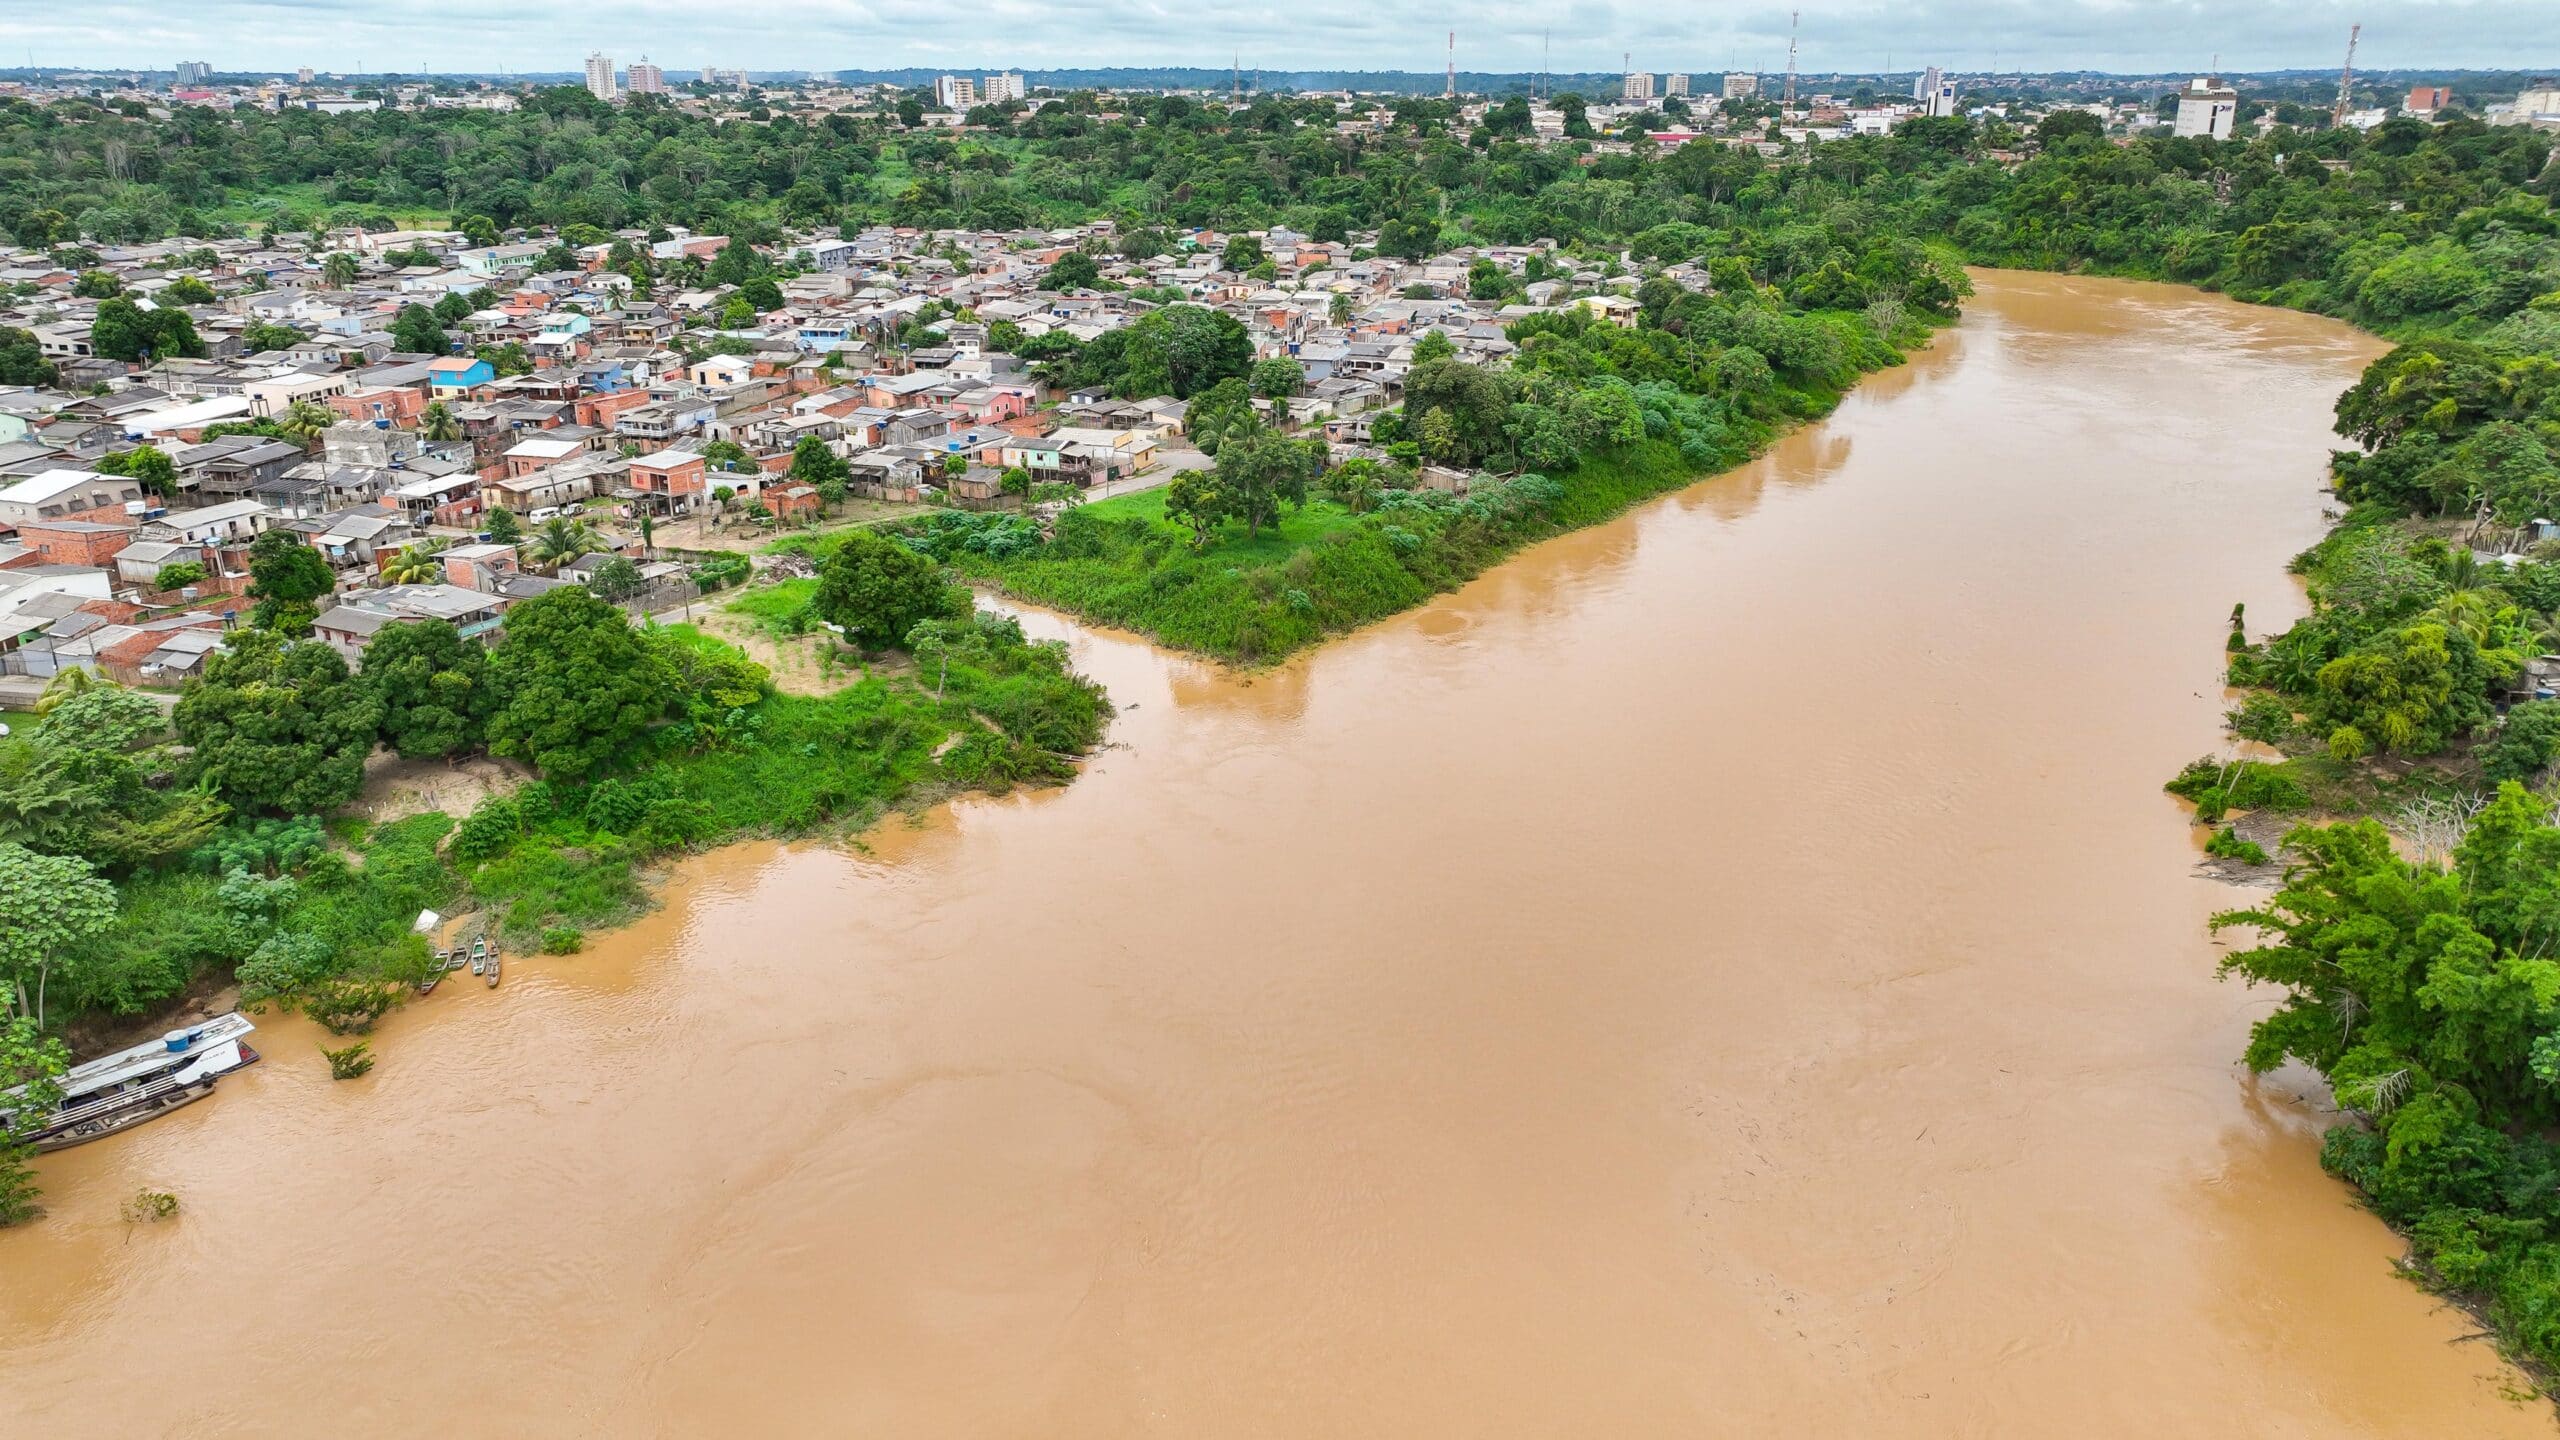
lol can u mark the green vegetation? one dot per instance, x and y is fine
(31, 1059)
(130, 870)
(349, 1062)
(2424, 990)
(1270, 552)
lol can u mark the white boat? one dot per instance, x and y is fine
(119, 1091)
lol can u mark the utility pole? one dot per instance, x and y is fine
(1546, 58)
(1450, 91)
(2346, 79)
(1792, 16)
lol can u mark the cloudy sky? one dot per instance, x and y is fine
(1588, 35)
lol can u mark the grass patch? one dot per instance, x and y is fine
(781, 609)
(1322, 571)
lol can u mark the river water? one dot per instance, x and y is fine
(1727, 972)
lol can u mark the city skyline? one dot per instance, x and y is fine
(483, 36)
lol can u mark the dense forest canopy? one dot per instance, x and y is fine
(2404, 223)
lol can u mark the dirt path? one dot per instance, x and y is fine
(395, 788)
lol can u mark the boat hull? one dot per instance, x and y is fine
(144, 1109)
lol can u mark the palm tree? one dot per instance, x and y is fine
(67, 683)
(437, 423)
(304, 422)
(414, 565)
(559, 540)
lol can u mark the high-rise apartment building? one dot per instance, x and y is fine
(1639, 86)
(2207, 109)
(645, 78)
(998, 88)
(1676, 85)
(1741, 87)
(600, 77)
(955, 92)
(302, 76)
(193, 72)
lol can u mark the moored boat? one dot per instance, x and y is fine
(119, 1091)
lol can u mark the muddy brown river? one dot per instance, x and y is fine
(1727, 972)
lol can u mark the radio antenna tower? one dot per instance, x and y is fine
(1450, 91)
(1791, 58)
(1546, 75)
(2346, 79)
(1235, 80)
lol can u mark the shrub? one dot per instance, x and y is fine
(2227, 843)
(2525, 744)
(349, 1063)
(493, 828)
(2263, 717)
(562, 940)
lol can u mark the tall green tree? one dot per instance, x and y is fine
(578, 688)
(416, 330)
(49, 905)
(431, 687)
(1259, 470)
(278, 727)
(123, 330)
(287, 579)
(878, 590)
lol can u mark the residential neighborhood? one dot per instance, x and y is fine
(669, 424)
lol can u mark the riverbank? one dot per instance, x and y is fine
(1650, 411)
(315, 913)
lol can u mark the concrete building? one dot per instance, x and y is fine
(194, 72)
(1941, 100)
(302, 76)
(1639, 87)
(2207, 110)
(998, 88)
(600, 77)
(955, 92)
(1925, 84)
(1741, 87)
(645, 78)
(1676, 85)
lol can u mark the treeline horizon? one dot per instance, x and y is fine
(1420, 82)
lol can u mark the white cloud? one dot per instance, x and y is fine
(1502, 35)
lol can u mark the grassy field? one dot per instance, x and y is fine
(1297, 530)
(1323, 571)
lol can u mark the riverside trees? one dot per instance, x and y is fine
(2428, 995)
